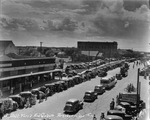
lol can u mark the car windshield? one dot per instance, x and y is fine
(68, 104)
(104, 81)
(87, 94)
(97, 87)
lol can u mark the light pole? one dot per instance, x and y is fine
(41, 48)
(138, 92)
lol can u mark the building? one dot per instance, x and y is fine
(16, 70)
(7, 47)
(90, 48)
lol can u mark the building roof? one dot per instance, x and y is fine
(4, 44)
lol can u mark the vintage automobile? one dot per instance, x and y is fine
(29, 95)
(51, 87)
(63, 85)
(99, 89)
(42, 88)
(1, 109)
(108, 82)
(76, 79)
(73, 106)
(64, 75)
(15, 105)
(90, 96)
(38, 93)
(17, 99)
(118, 76)
(8, 105)
(102, 73)
(124, 71)
(113, 117)
(120, 108)
(120, 113)
(58, 86)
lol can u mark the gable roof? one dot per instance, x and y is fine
(4, 44)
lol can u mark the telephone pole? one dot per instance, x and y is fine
(138, 93)
(41, 48)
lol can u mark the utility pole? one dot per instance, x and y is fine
(41, 48)
(137, 102)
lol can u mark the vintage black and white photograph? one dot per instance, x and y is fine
(74, 59)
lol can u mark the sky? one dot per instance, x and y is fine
(61, 23)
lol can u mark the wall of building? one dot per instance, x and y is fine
(107, 48)
(11, 49)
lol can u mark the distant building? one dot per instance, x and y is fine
(7, 47)
(108, 49)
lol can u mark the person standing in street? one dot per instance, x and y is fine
(94, 117)
(102, 117)
(46, 93)
(28, 103)
(112, 104)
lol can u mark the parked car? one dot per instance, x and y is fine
(17, 99)
(15, 105)
(118, 76)
(113, 117)
(29, 95)
(102, 73)
(120, 108)
(1, 109)
(38, 93)
(58, 86)
(73, 106)
(8, 105)
(120, 113)
(51, 87)
(42, 88)
(90, 96)
(99, 89)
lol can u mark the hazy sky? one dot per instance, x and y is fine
(64, 22)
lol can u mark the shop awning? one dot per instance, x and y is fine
(30, 74)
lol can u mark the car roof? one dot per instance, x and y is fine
(99, 85)
(35, 89)
(105, 78)
(89, 91)
(72, 100)
(15, 96)
(50, 84)
(115, 111)
(113, 117)
(25, 92)
(4, 99)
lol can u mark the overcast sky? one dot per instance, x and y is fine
(64, 22)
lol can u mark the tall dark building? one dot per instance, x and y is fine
(107, 48)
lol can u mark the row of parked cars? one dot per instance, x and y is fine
(86, 65)
(19, 101)
(74, 105)
(14, 102)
